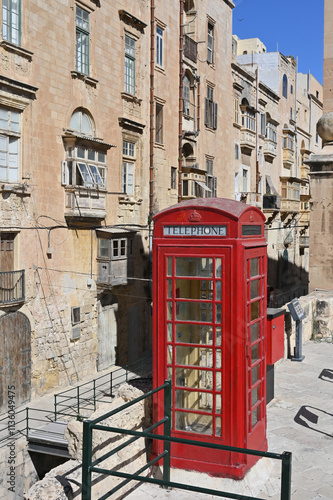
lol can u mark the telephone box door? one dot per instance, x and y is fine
(195, 319)
(255, 280)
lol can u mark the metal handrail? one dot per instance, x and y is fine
(88, 394)
(89, 466)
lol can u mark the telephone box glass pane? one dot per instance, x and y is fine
(218, 292)
(194, 356)
(194, 311)
(218, 426)
(255, 395)
(218, 403)
(218, 268)
(169, 266)
(255, 417)
(218, 381)
(255, 353)
(194, 267)
(255, 374)
(169, 374)
(255, 289)
(190, 422)
(218, 313)
(169, 332)
(254, 267)
(193, 289)
(169, 354)
(218, 359)
(255, 310)
(254, 332)
(193, 334)
(218, 335)
(194, 378)
(169, 282)
(169, 312)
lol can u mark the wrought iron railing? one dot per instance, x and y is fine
(12, 286)
(89, 466)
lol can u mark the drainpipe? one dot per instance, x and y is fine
(198, 107)
(180, 119)
(257, 135)
(296, 152)
(151, 130)
(310, 118)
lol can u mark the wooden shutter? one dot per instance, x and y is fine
(214, 115)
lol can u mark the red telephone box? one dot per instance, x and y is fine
(210, 262)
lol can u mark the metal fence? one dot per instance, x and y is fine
(89, 466)
(80, 401)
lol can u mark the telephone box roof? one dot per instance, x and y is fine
(231, 208)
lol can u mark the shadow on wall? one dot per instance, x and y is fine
(286, 279)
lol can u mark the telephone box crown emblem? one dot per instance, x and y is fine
(194, 216)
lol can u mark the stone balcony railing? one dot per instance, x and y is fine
(289, 205)
(247, 139)
(270, 149)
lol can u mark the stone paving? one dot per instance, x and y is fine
(300, 420)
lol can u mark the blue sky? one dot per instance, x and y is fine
(294, 27)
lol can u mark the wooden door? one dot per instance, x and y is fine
(15, 357)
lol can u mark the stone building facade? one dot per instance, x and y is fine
(275, 115)
(109, 112)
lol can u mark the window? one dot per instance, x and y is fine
(76, 315)
(317, 94)
(84, 167)
(159, 46)
(128, 167)
(11, 21)
(244, 188)
(186, 95)
(210, 43)
(291, 89)
(271, 131)
(81, 122)
(129, 65)
(288, 142)
(291, 114)
(82, 41)
(285, 86)
(211, 181)
(9, 145)
(236, 152)
(248, 119)
(263, 124)
(173, 178)
(159, 124)
(236, 110)
(210, 109)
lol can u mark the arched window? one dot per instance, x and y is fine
(285, 86)
(82, 122)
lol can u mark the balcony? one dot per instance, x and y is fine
(190, 48)
(288, 157)
(290, 205)
(114, 272)
(271, 202)
(270, 149)
(247, 140)
(12, 287)
(85, 202)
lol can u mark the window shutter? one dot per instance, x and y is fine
(64, 173)
(215, 115)
(214, 190)
(206, 112)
